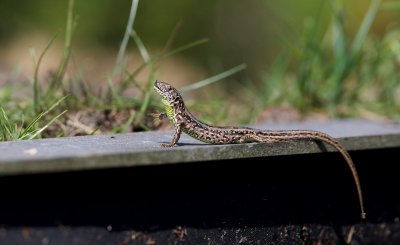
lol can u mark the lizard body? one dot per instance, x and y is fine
(185, 122)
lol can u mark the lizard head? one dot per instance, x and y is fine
(168, 93)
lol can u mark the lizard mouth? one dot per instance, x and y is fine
(160, 88)
(159, 85)
(157, 88)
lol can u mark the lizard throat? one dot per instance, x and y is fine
(169, 109)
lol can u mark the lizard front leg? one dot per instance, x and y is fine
(158, 116)
(177, 135)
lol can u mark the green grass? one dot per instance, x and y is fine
(329, 70)
(51, 97)
(333, 71)
(19, 130)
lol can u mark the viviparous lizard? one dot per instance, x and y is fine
(184, 121)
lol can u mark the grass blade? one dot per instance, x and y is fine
(142, 49)
(4, 125)
(184, 47)
(72, 22)
(365, 26)
(172, 36)
(125, 40)
(147, 97)
(215, 78)
(155, 59)
(45, 126)
(338, 33)
(32, 124)
(36, 89)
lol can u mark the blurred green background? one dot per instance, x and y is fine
(253, 32)
(334, 58)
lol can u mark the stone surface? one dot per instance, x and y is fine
(138, 149)
(291, 199)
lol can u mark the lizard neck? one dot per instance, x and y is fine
(169, 110)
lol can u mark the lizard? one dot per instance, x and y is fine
(184, 121)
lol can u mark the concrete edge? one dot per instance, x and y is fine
(190, 153)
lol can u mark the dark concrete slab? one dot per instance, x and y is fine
(138, 149)
(212, 195)
(296, 199)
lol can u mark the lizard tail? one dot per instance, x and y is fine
(285, 135)
(333, 142)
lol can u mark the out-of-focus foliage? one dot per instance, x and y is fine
(253, 32)
(339, 72)
(334, 56)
